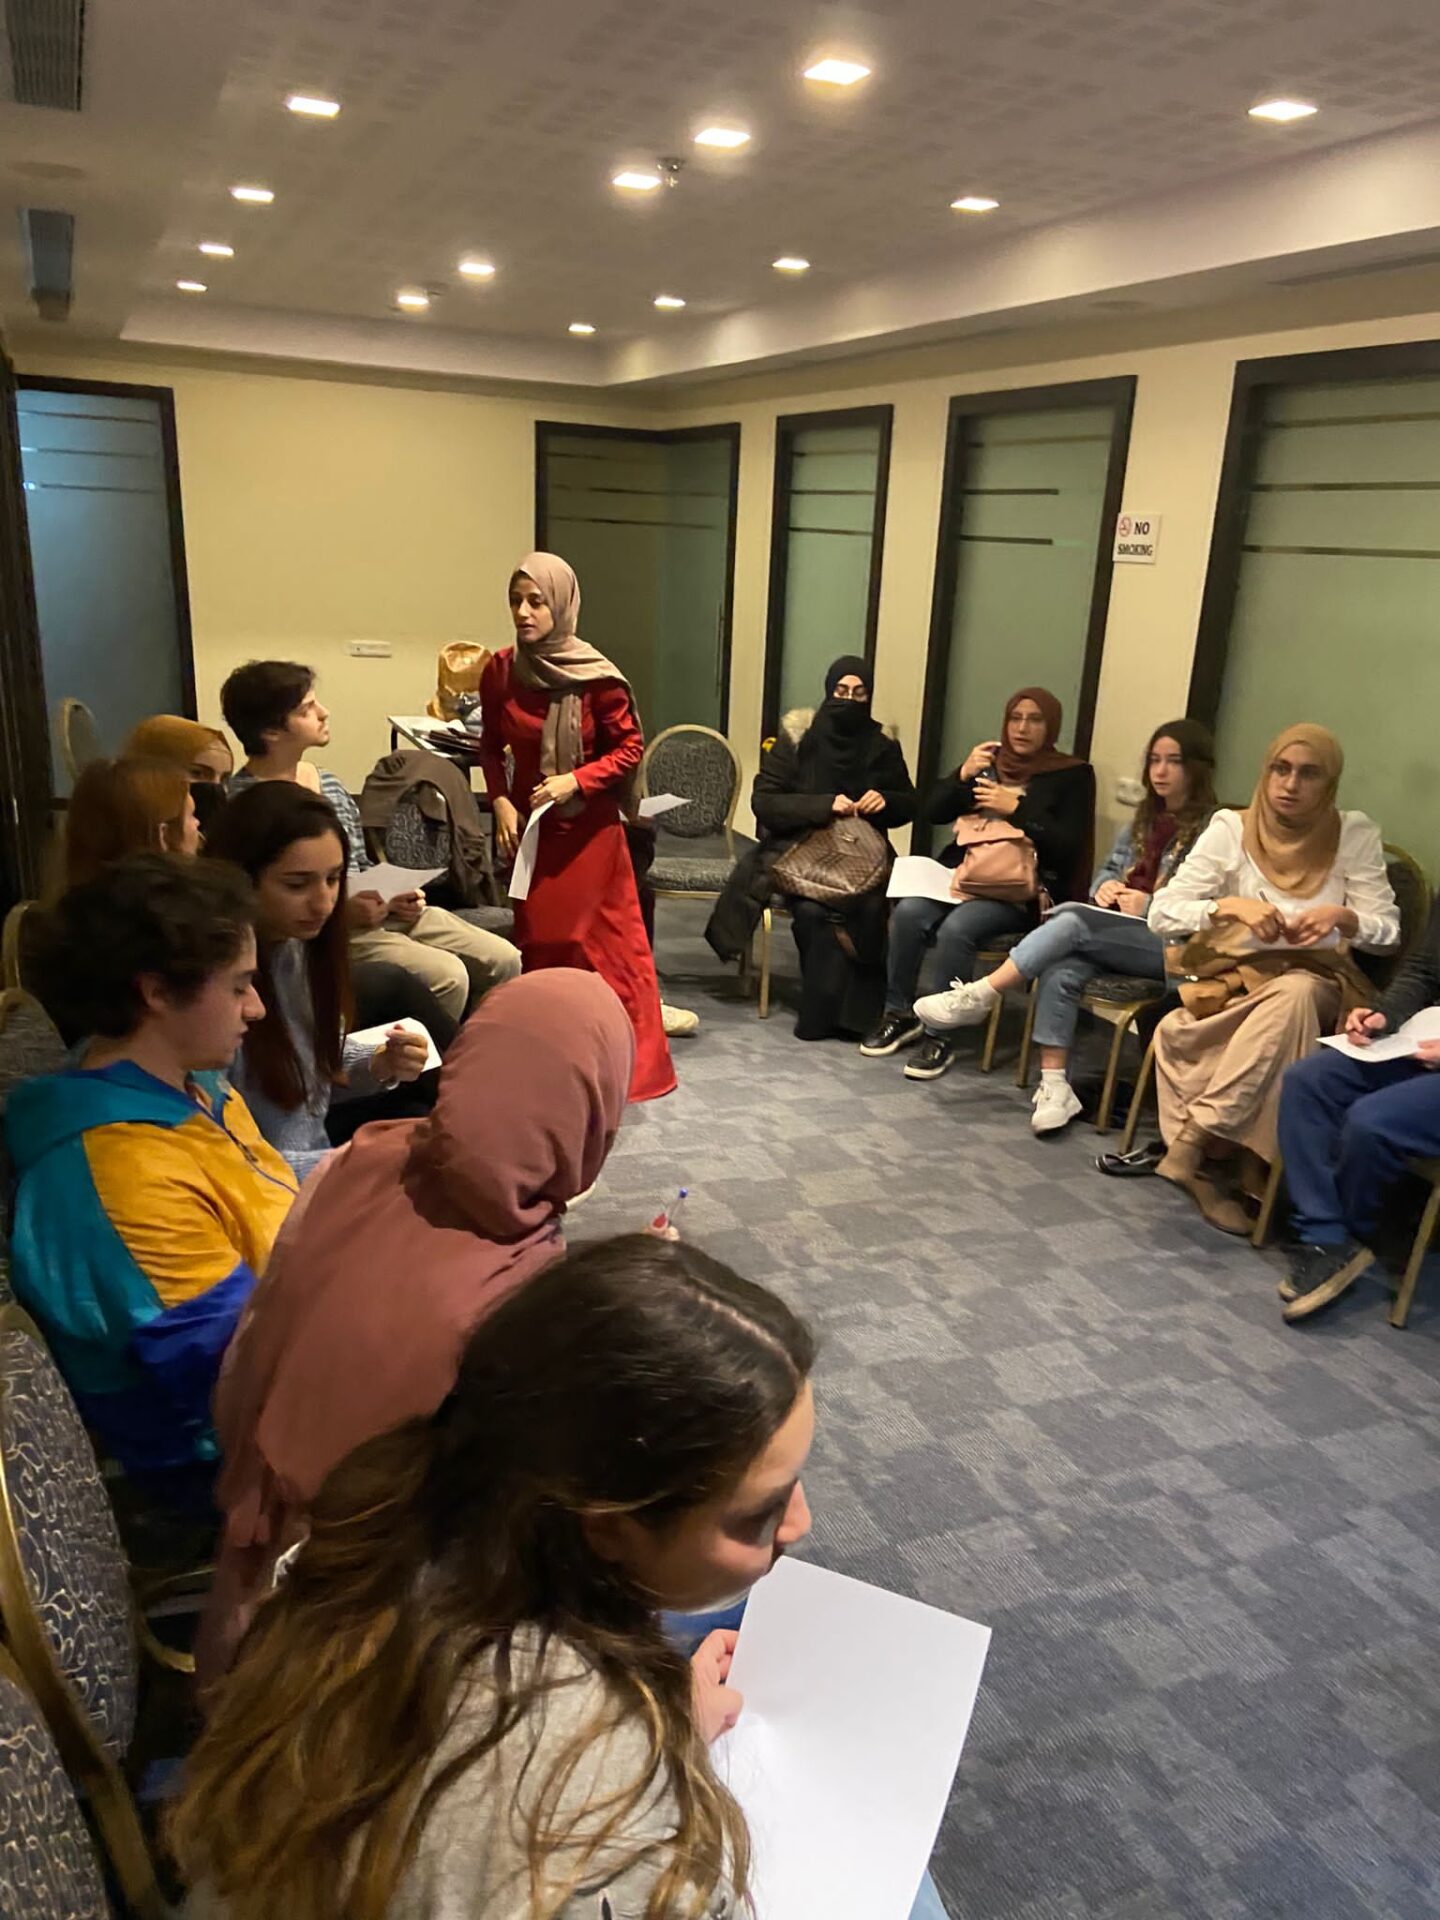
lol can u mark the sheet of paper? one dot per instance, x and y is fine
(1088, 907)
(914, 877)
(1399, 1045)
(657, 803)
(390, 881)
(377, 1036)
(857, 1703)
(524, 869)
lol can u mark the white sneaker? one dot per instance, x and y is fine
(677, 1021)
(967, 1004)
(1055, 1106)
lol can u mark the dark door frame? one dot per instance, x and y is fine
(787, 427)
(164, 397)
(1117, 392)
(1340, 366)
(727, 431)
(24, 729)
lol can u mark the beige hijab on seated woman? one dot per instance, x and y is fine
(396, 1248)
(1271, 899)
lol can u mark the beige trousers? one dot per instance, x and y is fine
(435, 949)
(1224, 1072)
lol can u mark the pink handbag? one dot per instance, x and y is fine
(998, 861)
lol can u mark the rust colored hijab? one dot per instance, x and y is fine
(397, 1246)
(1015, 768)
(563, 665)
(1296, 855)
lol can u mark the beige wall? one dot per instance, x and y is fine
(1177, 438)
(321, 510)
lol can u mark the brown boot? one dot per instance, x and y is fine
(1185, 1166)
(1185, 1158)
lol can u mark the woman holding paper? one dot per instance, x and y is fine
(568, 718)
(299, 1058)
(1271, 899)
(1066, 951)
(465, 1660)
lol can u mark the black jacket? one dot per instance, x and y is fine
(785, 813)
(1057, 811)
(1417, 979)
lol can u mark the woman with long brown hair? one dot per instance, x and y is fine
(298, 1058)
(460, 1700)
(121, 807)
(1271, 901)
(1066, 951)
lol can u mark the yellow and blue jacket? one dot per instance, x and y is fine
(142, 1218)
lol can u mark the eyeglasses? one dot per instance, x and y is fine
(1307, 774)
(852, 693)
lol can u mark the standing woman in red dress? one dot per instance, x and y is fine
(567, 716)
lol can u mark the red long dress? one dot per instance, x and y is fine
(583, 910)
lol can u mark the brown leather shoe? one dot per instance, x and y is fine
(1185, 1158)
(1221, 1209)
(1185, 1166)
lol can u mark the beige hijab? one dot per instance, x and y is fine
(1296, 855)
(562, 665)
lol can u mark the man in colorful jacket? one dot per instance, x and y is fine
(147, 1201)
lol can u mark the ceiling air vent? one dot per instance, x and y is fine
(47, 40)
(49, 254)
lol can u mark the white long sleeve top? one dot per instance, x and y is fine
(1217, 867)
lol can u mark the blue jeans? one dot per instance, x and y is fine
(1346, 1130)
(1067, 951)
(959, 933)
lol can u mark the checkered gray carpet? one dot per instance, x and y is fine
(1208, 1544)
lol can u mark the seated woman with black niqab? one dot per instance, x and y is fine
(831, 763)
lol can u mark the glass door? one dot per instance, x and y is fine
(102, 501)
(647, 520)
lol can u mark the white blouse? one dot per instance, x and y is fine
(1217, 867)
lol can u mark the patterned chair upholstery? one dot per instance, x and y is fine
(48, 1867)
(29, 1045)
(413, 841)
(64, 1584)
(702, 765)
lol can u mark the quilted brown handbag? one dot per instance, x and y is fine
(838, 862)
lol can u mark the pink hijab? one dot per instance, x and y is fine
(397, 1247)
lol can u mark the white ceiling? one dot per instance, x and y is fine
(1115, 136)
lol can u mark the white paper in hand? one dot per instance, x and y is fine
(1399, 1045)
(657, 803)
(857, 1703)
(389, 882)
(376, 1037)
(914, 877)
(524, 870)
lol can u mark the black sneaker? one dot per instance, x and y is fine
(1319, 1275)
(896, 1030)
(933, 1059)
(1134, 1165)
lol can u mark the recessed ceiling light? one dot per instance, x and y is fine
(1283, 110)
(634, 180)
(581, 326)
(476, 269)
(837, 73)
(412, 300)
(307, 103)
(669, 301)
(217, 249)
(790, 263)
(722, 137)
(254, 196)
(974, 203)
(191, 286)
